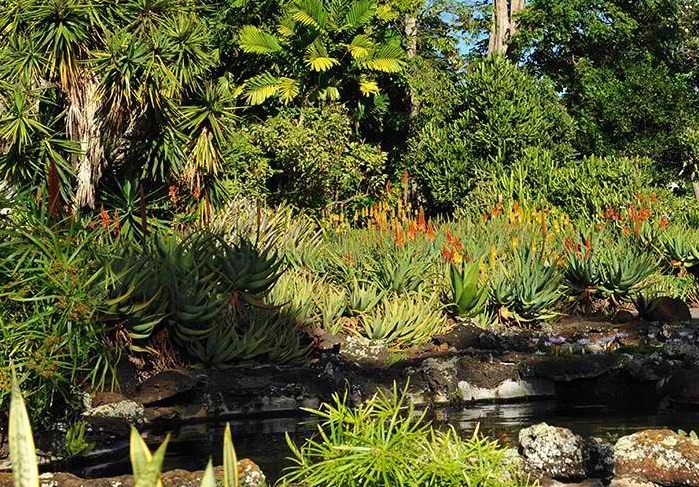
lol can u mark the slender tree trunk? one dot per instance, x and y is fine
(503, 25)
(410, 29)
(515, 7)
(695, 187)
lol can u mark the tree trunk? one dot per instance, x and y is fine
(83, 127)
(695, 187)
(499, 29)
(503, 25)
(515, 7)
(411, 50)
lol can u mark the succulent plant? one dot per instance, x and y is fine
(468, 295)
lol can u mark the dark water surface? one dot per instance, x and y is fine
(263, 440)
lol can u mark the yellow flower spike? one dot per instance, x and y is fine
(515, 243)
(492, 254)
(458, 258)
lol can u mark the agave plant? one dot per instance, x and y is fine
(468, 295)
(334, 46)
(362, 297)
(680, 248)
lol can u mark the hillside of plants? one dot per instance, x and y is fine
(221, 183)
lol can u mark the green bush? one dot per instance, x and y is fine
(384, 442)
(311, 158)
(504, 112)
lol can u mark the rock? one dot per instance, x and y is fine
(625, 316)
(683, 387)
(659, 456)
(630, 482)
(557, 453)
(164, 386)
(105, 397)
(441, 375)
(363, 352)
(116, 417)
(461, 337)
(545, 482)
(249, 473)
(667, 310)
(508, 389)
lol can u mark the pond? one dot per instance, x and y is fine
(264, 440)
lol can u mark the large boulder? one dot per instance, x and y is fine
(116, 417)
(557, 453)
(630, 482)
(667, 310)
(662, 457)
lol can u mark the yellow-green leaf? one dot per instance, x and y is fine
(360, 47)
(21, 442)
(208, 480)
(230, 460)
(255, 41)
(368, 87)
(319, 59)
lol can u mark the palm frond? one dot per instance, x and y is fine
(318, 58)
(260, 88)
(387, 58)
(255, 41)
(368, 86)
(361, 46)
(359, 13)
(310, 13)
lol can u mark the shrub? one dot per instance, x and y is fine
(314, 158)
(384, 442)
(505, 111)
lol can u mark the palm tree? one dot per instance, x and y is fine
(324, 50)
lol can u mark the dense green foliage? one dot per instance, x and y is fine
(210, 183)
(386, 442)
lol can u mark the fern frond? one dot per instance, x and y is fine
(318, 57)
(255, 41)
(329, 93)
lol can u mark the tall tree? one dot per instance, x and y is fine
(503, 24)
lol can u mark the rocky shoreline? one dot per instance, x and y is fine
(623, 365)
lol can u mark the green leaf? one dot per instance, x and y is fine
(359, 13)
(360, 47)
(22, 451)
(255, 41)
(209, 480)
(318, 57)
(230, 460)
(310, 13)
(368, 87)
(288, 89)
(387, 58)
(259, 89)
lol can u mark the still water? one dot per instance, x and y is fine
(264, 440)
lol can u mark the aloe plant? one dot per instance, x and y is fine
(468, 295)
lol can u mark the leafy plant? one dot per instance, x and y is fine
(528, 291)
(146, 466)
(384, 441)
(625, 274)
(331, 48)
(362, 297)
(75, 442)
(468, 295)
(680, 246)
(403, 320)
